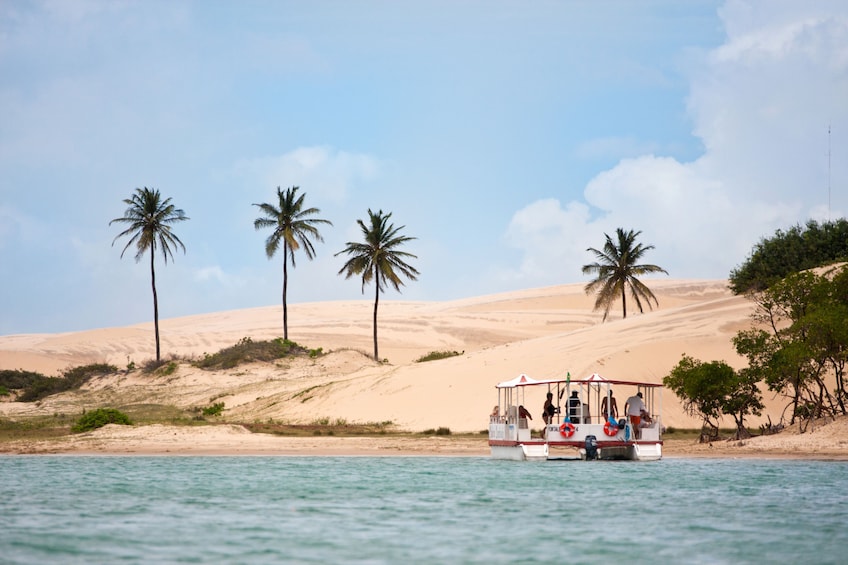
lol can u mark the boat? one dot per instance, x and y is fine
(577, 429)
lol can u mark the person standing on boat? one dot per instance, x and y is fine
(549, 409)
(548, 412)
(634, 408)
(609, 407)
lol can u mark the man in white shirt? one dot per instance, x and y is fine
(633, 408)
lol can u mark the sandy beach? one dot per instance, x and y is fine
(543, 333)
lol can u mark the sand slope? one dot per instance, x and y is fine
(542, 332)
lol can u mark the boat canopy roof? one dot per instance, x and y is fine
(594, 378)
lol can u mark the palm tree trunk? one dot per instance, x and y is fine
(155, 302)
(376, 301)
(623, 302)
(285, 285)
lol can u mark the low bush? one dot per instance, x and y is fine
(36, 386)
(99, 418)
(247, 351)
(213, 410)
(16, 379)
(162, 366)
(442, 431)
(436, 355)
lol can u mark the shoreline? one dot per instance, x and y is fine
(233, 440)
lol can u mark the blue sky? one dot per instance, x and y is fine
(506, 136)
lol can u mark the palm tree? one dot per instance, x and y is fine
(149, 218)
(617, 269)
(293, 228)
(378, 258)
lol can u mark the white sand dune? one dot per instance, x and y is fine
(542, 332)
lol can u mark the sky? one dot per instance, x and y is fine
(507, 137)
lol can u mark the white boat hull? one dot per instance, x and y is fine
(541, 452)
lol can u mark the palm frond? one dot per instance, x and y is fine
(616, 269)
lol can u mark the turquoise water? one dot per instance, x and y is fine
(67, 509)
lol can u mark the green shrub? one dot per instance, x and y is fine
(4, 391)
(99, 418)
(213, 410)
(436, 355)
(163, 366)
(247, 351)
(19, 379)
(36, 386)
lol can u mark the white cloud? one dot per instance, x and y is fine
(550, 240)
(761, 104)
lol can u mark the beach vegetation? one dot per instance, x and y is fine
(617, 268)
(325, 426)
(441, 431)
(436, 355)
(35, 428)
(378, 258)
(798, 342)
(100, 417)
(247, 351)
(148, 218)
(294, 228)
(164, 367)
(713, 389)
(215, 409)
(33, 386)
(797, 249)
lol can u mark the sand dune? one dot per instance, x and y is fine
(543, 332)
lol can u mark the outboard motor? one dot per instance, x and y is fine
(591, 448)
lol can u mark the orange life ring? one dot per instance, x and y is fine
(567, 429)
(610, 429)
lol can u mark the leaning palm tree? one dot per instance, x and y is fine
(378, 258)
(617, 268)
(293, 228)
(149, 218)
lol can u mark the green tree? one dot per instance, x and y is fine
(149, 218)
(617, 267)
(294, 228)
(713, 389)
(800, 340)
(378, 258)
(796, 249)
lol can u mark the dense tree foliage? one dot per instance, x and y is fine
(796, 249)
(799, 343)
(714, 389)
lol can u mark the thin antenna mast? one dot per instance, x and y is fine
(828, 172)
